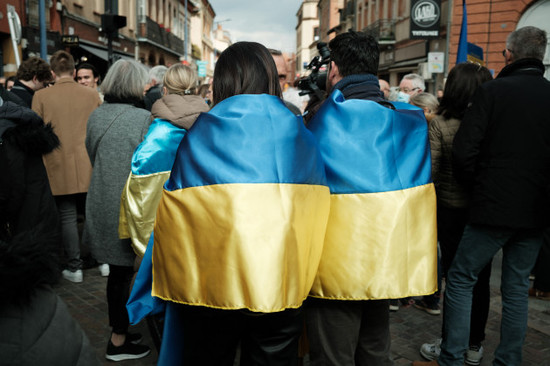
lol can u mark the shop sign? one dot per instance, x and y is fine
(425, 19)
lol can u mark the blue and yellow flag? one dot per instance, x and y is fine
(242, 219)
(151, 165)
(381, 236)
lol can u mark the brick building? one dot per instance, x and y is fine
(489, 23)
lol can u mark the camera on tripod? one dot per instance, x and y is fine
(315, 82)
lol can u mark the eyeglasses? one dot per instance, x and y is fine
(407, 90)
(504, 51)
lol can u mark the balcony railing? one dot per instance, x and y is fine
(347, 11)
(157, 34)
(383, 30)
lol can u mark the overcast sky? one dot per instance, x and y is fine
(269, 22)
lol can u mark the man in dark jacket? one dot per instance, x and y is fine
(348, 311)
(154, 93)
(25, 196)
(33, 74)
(502, 154)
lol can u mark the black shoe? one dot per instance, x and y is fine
(134, 338)
(128, 351)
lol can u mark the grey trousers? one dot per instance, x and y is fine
(348, 332)
(67, 208)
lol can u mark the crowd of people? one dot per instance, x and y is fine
(237, 224)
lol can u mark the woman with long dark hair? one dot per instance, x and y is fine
(240, 226)
(453, 201)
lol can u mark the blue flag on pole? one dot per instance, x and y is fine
(462, 54)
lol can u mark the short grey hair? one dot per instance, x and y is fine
(425, 100)
(527, 42)
(125, 79)
(416, 80)
(156, 74)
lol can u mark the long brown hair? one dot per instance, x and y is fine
(245, 68)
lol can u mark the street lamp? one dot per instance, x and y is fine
(223, 20)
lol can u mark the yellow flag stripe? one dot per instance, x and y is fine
(234, 246)
(380, 246)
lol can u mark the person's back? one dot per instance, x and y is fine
(25, 195)
(501, 154)
(511, 177)
(67, 106)
(154, 92)
(173, 114)
(36, 327)
(376, 156)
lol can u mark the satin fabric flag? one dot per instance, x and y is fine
(151, 165)
(381, 238)
(241, 221)
(141, 304)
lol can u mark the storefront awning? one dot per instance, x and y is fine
(102, 53)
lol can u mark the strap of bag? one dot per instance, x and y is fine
(106, 130)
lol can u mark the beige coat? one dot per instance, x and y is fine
(67, 106)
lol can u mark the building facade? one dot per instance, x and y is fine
(157, 32)
(307, 34)
(489, 23)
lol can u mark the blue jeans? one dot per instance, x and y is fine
(478, 246)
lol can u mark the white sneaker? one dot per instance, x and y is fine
(75, 276)
(474, 355)
(431, 351)
(104, 269)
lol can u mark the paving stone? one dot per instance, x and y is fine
(410, 327)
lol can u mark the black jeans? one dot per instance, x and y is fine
(450, 226)
(269, 339)
(353, 332)
(542, 267)
(118, 292)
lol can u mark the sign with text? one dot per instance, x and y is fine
(70, 40)
(201, 68)
(425, 19)
(435, 62)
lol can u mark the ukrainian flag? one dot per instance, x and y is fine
(242, 219)
(151, 165)
(381, 237)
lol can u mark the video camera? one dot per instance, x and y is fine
(315, 82)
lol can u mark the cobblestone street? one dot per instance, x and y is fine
(410, 326)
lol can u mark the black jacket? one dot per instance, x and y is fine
(25, 195)
(36, 327)
(501, 151)
(151, 96)
(23, 92)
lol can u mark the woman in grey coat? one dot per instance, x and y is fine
(114, 130)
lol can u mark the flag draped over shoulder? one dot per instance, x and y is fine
(242, 218)
(151, 165)
(462, 53)
(381, 236)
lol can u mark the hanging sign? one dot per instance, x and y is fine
(425, 19)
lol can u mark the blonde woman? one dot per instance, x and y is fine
(173, 115)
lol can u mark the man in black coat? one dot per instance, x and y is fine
(33, 74)
(26, 200)
(502, 154)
